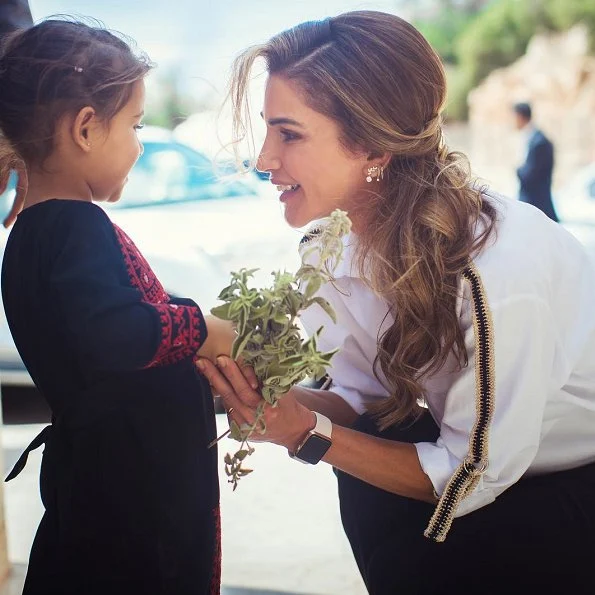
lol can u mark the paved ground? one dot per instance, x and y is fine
(281, 527)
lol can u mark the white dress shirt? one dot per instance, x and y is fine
(540, 287)
(526, 134)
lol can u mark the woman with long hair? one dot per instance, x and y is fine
(461, 415)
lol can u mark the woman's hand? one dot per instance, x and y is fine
(21, 193)
(286, 424)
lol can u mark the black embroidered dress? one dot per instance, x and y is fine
(129, 486)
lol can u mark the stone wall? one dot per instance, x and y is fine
(557, 77)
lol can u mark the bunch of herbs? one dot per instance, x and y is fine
(269, 338)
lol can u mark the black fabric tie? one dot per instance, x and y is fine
(40, 439)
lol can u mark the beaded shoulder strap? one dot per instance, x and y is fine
(467, 475)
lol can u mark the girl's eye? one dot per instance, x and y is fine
(139, 126)
(288, 135)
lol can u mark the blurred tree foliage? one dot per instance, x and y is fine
(474, 38)
(444, 23)
(169, 103)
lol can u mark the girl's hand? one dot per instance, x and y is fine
(286, 424)
(21, 193)
(220, 337)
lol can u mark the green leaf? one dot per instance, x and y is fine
(222, 311)
(239, 345)
(281, 317)
(325, 306)
(242, 454)
(235, 431)
(312, 287)
(292, 360)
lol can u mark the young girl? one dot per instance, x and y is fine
(129, 486)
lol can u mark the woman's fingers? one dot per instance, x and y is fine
(218, 382)
(249, 373)
(237, 378)
(242, 413)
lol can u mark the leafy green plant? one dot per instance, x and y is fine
(269, 338)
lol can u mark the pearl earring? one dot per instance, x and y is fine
(376, 171)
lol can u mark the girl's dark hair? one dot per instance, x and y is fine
(53, 69)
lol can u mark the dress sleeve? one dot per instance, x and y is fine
(525, 350)
(109, 322)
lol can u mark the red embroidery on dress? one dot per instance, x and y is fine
(216, 579)
(140, 273)
(180, 325)
(180, 334)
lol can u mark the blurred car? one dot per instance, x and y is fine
(210, 132)
(193, 225)
(169, 171)
(575, 201)
(575, 205)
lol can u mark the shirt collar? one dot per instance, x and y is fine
(528, 131)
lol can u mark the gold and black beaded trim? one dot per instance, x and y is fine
(467, 475)
(310, 235)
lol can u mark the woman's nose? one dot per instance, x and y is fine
(267, 162)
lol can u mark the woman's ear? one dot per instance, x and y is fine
(82, 128)
(382, 159)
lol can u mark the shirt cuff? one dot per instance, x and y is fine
(439, 465)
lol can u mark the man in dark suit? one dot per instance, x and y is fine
(535, 175)
(14, 14)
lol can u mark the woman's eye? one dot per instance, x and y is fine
(288, 135)
(139, 126)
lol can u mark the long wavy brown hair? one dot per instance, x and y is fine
(379, 79)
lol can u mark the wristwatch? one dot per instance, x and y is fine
(316, 443)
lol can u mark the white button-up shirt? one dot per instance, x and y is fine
(540, 288)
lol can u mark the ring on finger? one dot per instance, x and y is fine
(230, 411)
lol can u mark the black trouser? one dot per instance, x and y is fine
(537, 537)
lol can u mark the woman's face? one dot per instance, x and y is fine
(305, 158)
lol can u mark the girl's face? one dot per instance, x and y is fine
(304, 156)
(116, 148)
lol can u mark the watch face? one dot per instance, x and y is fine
(313, 449)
